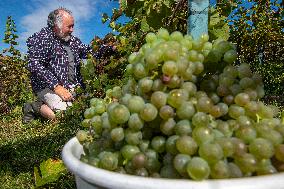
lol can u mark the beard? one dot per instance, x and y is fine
(63, 36)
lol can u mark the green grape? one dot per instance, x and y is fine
(135, 104)
(111, 106)
(247, 82)
(207, 46)
(180, 163)
(200, 119)
(171, 144)
(246, 162)
(128, 151)
(144, 145)
(211, 152)
(153, 165)
(166, 112)
(216, 111)
(133, 58)
(94, 101)
(149, 112)
(203, 135)
(230, 56)
(150, 37)
(93, 161)
(89, 112)
(145, 84)
(197, 45)
(158, 85)
(100, 108)
(190, 88)
(223, 90)
(159, 99)
(186, 145)
(244, 70)
(116, 92)
(171, 54)
(167, 126)
(176, 36)
(235, 171)
(108, 161)
(260, 92)
(117, 134)
(183, 127)
(167, 159)
(119, 114)
(176, 97)
(163, 34)
(135, 122)
(139, 160)
(204, 104)
(96, 123)
(182, 64)
(86, 123)
(192, 55)
(158, 143)
(198, 169)
(139, 71)
(246, 133)
(272, 135)
(231, 71)
(133, 138)
(235, 89)
(266, 170)
(229, 99)
(129, 69)
(174, 82)
(81, 136)
(220, 170)
(199, 67)
(252, 93)
(223, 107)
(186, 110)
(226, 80)
(222, 46)
(168, 171)
(224, 127)
(265, 111)
(226, 145)
(106, 122)
(236, 111)
(240, 147)
(244, 121)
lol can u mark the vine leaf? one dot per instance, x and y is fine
(50, 171)
(144, 25)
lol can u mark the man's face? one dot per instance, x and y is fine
(65, 29)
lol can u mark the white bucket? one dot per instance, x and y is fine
(89, 177)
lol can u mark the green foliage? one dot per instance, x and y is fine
(10, 38)
(258, 34)
(15, 88)
(50, 171)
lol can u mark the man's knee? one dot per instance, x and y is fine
(46, 112)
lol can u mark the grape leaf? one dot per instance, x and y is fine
(50, 171)
(144, 25)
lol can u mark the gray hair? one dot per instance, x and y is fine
(55, 17)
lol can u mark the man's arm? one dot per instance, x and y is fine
(104, 50)
(37, 55)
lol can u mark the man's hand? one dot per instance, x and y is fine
(63, 93)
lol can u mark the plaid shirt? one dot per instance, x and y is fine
(48, 60)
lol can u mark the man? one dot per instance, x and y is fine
(54, 56)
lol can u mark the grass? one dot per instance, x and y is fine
(25, 146)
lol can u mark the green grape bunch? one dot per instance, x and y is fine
(186, 112)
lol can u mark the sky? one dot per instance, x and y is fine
(31, 15)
